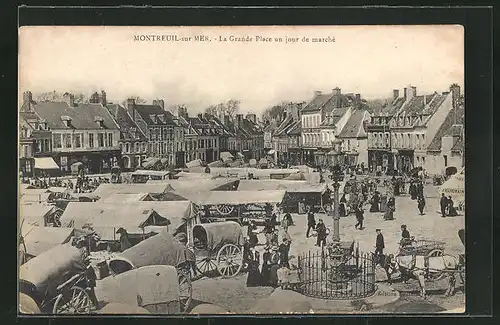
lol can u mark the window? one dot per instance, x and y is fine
(423, 161)
(137, 148)
(150, 147)
(445, 161)
(121, 146)
(67, 140)
(144, 147)
(91, 140)
(100, 139)
(78, 140)
(110, 139)
(57, 141)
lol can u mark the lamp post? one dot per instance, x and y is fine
(335, 210)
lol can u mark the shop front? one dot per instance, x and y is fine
(380, 160)
(94, 162)
(404, 160)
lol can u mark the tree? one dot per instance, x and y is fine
(231, 107)
(275, 111)
(137, 99)
(54, 96)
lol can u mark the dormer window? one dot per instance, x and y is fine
(161, 117)
(152, 117)
(66, 120)
(99, 120)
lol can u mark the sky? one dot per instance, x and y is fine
(370, 60)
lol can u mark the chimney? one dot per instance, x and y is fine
(69, 99)
(253, 117)
(239, 119)
(159, 102)
(27, 100)
(317, 93)
(455, 94)
(182, 112)
(104, 101)
(130, 107)
(410, 92)
(226, 120)
(395, 94)
(358, 101)
(200, 116)
(336, 91)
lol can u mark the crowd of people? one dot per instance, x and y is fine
(83, 184)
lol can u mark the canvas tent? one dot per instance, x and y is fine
(40, 239)
(104, 190)
(194, 163)
(106, 218)
(199, 185)
(119, 198)
(226, 156)
(239, 197)
(36, 214)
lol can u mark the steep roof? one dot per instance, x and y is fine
(354, 126)
(317, 103)
(447, 128)
(251, 128)
(154, 114)
(284, 125)
(83, 116)
(336, 114)
(385, 107)
(295, 129)
(459, 146)
(128, 129)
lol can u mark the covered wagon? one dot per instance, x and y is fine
(161, 249)
(59, 280)
(218, 247)
(154, 288)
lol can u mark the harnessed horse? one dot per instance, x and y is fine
(422, 268)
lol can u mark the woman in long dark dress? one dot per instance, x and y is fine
(342, 206)
(452, 212)
(253, 240)
(375, 201)
(253, 278)
(273, 267)
(413, 190)
(264, 278)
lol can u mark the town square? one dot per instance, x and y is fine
(239, 188)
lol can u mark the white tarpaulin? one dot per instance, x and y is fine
(239, 197)
(45, 163)
(226, 156)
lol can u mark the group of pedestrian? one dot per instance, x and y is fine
(447, 206)
(319, 227)
(273, 258)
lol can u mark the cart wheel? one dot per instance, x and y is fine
(186, 290)
(75, 301)
(229, 260)
(435, 253)
(206, 265)
(224, 209)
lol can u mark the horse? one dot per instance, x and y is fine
(422, 268)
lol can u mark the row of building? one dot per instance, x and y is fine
(401, 132)
(102, 135)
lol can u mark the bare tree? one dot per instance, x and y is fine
(275, 111)
(54, 96)
(231, 107)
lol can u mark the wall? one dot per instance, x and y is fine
(363, 151)
(438, 118)
(434, 162)
(85, 145)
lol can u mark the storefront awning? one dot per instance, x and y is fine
(45, 163)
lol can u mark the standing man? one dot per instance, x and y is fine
(359, 216)
(379, 243)
(443, 202)
(421, 204)
(311, 222)
(321, 230)
(405, 236)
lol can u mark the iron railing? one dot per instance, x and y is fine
(327, 276)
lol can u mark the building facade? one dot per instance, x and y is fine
(85, 133)
(354, 147)
(165, 134)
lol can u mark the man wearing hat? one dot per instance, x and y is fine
(321, 231)
(274, 266)
(266, 257)
(405, 236)
(379, 243)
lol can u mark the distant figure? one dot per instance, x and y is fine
(421, 204)
(405, 236)
(359, 217)
(375, 201)
(452, 212)
(321, 231)
(383, 203)
(379, 243)
(207, 170)
(391, 207)
(253, 240)
(253, 278)
(274, 266)
(342, 206)
(124, 240)
(311, 222)
(266, 267)
(284, 249)
(443, 202)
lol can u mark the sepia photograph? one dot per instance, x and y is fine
(241, 170)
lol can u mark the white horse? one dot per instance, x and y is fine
(422, 268)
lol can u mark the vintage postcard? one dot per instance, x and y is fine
(241, 170)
